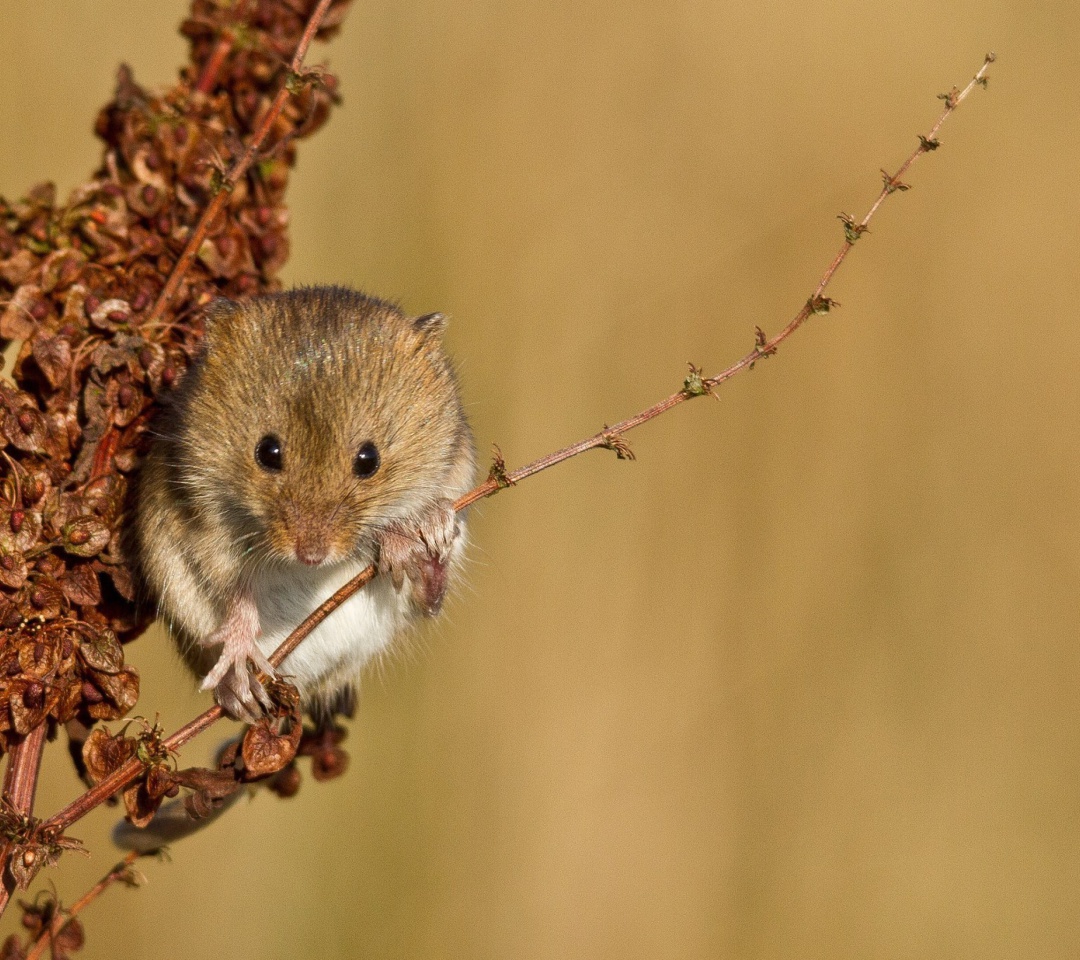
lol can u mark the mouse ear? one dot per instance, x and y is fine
(217, 312)
(433, 323)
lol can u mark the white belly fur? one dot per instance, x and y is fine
(360, 628)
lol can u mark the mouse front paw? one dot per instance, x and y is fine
(419, 549)
(234, 678)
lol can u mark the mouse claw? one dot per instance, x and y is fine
(420, 551)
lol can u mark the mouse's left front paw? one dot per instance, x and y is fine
(420, 550)
(234, 678)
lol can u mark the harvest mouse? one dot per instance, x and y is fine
(319, 431)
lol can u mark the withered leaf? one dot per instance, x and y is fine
(10, 618)
(17, 322)
(25, 426)
(57, 445)
(25, 716)
(45, 596)
(138, 803)
(286, 783)
(53, 357)
(106, 357)
(69, 698)
(161, 781)
(41, 197)
(34, 486)
(269, 745)
(105, 495)
(121, 691)
(29, 532)
(74, 304)
(101, 651)
(103, 753)
(19, 529)
(97, 419)
(227, 254)
(61, 268)
(51, 564)
(64, 419)
(124, 399)
(38, 657)
(110, 315)
(328, 759)
(58, 509)
(81, 585)
(86, 536)
(12, 569)
(16, 269)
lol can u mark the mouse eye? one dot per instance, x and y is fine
(268, 452)
(367, 460)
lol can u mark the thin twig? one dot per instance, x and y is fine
(62, 917)
(609, 437)
(239, 168)
(764, 347)
(20, 785)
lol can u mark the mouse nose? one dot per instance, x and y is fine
(306, 527)
(311, 553)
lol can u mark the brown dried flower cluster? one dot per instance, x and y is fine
(104, 293)
(78, 284)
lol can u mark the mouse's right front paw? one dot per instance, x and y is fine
(419, 550)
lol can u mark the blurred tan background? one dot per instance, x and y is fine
(800, 682)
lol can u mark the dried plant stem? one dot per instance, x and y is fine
(45, 940)
(239, 168)
(608, 438)
(20, 785)
(763, 348)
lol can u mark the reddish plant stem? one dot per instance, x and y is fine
(47, 937)
(20, 785)
(208, 78)
(765, 347)
(606, 438)
(239, 168)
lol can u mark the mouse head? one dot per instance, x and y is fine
(312, 419)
